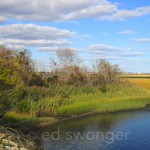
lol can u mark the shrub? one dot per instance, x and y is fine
(36, 80)
(77, 77)
(103, 88)
(23, 106)
(5, 103)
(53, 79)
(19, 94)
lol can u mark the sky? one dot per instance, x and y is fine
(116, 30)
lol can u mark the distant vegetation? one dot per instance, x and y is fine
(142, 80)
(70, 88)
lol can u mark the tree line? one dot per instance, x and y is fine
(18, 69)
(21, 85)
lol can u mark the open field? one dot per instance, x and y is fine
(136, 75)
(142, 80)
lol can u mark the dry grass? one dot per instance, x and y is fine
(145, 83)
(137, 75)
(142, 80)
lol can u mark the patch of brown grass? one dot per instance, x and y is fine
(143, 82)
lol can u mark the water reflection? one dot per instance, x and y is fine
(129, 130)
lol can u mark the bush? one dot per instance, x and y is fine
(36, 80)
(2, 108)
(19, 94)
(103, 88)
(5, 102)
(53, 79)
(77, 77)
(23, 106)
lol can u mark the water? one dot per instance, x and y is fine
(112, 131)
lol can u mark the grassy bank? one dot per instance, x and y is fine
(70, 100)
(112, 105)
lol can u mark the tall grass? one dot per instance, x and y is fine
(86, 99)
(111, 105)
(66, 100)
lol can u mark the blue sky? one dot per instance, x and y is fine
(112, 29)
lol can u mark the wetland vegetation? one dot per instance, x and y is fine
(29, 97)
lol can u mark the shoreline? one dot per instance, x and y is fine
(46, 124)
(50, 121)
(26, 130)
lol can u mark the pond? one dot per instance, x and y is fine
(111, 131)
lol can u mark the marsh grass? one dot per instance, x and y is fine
(13, 117)
(69, 101)
(117, 98)
(143, 82)
(112, 105)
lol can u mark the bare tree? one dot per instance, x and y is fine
(67, 57)
(66, 60)
(54, 66)
(108, 71)
(65, 64)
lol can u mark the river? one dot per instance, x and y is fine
(111, 131)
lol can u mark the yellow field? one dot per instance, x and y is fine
(137, 75)
(143, 82)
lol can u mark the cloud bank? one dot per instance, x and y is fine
(22, 36)
(63, 10)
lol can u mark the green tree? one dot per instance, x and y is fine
(9, 69)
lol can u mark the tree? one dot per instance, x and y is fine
(109, 72)
(10, 69)
(24, 60)
(77, 77)
(65, 64)
(16, 69)
(67, 57)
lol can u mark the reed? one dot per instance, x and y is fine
(75, 100)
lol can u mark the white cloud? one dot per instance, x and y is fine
(50, 49)
(21, 31)
(3, 19)
(133, 54)
(63, 10)
(104, 33)
(55, 10)
(43, 38)
(36, 43)
(97, 50)
(103, 48)
(124, 14)
(14, 47)
(110, 52)
(126, 32)
(97, 11)
(85, 36)
(141, 40)
(21, 36)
